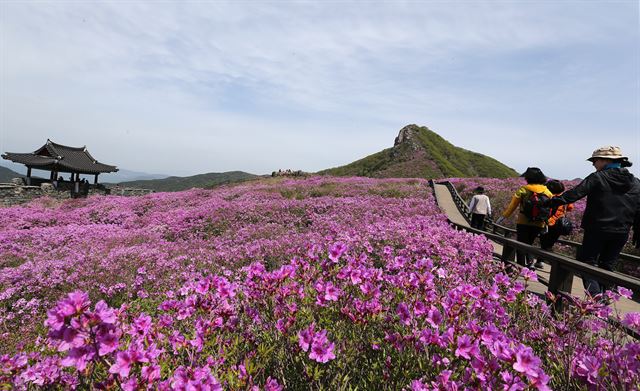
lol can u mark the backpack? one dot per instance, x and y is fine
(536, 208)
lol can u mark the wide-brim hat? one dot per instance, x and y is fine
(608, 152)
(534, 173)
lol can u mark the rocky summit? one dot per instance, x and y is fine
(419, 152)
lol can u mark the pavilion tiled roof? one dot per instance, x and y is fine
(61, 158)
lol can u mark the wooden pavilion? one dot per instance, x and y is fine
(58, 158)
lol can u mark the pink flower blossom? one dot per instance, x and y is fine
(336, 251)
(527, 362)
(467, 348)
(403, 312)
(528, 275)
(142, 324)
(624, 292)
(104, 313)
(108, 342)
(305, 337)
(122, 366)
(321, 348)
(272, 385)
(331, 292)
(588, 368)
(78, 358)
(150, 373)
(632, 320)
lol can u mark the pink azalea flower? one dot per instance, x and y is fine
(78, 358)
(466, 347)
(528, 275)
(527, 362)
(331, 292)
(336, 251)
(142, 324)
(202, 286)
(588, 367)
(150, 373)
(403, 312)
(122, 366)
(624, 292)
(55, 319)
(434, 317)
(502, 279)
(321, 348)
(104, 313)
(355, 275)
(281, 326)
(632, 320)
(75, 303)
(272, 385)
(71, 338)
(417, 385)
(444, 376)
(305, 337)
(420, 308)
(130, 385)
(108, 342)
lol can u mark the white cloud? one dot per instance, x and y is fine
(212, 86)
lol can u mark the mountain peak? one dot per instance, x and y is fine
(419, 152)
(408, 135)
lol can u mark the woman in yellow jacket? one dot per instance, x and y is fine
(526, 230)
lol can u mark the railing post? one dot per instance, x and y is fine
(560, 280)
(508, 253)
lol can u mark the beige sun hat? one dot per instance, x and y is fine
(608, 152)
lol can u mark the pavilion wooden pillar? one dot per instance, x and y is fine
(95, 181)
(28, 176)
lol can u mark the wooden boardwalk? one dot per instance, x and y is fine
(448, 206)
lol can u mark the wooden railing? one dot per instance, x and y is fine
(491, 226)
(563, 268)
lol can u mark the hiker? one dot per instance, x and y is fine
(528, 226)
(480, 208)
(613, 207)
(558, 224)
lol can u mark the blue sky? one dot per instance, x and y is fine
(192, 87)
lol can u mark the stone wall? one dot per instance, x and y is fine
(13, 194)
(16, 192)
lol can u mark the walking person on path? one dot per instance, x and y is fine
(526, 228)
(554, 224)
(613, 204)
(480, 208)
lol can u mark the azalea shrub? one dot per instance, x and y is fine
(318, 283)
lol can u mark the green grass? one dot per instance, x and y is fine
(433, 157)
(205, 181)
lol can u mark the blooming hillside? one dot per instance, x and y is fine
(318, 283)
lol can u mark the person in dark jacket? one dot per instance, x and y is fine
(613, 203)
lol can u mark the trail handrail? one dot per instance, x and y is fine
(562, 267)
(506, 231)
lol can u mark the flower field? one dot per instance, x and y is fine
(318, 283)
